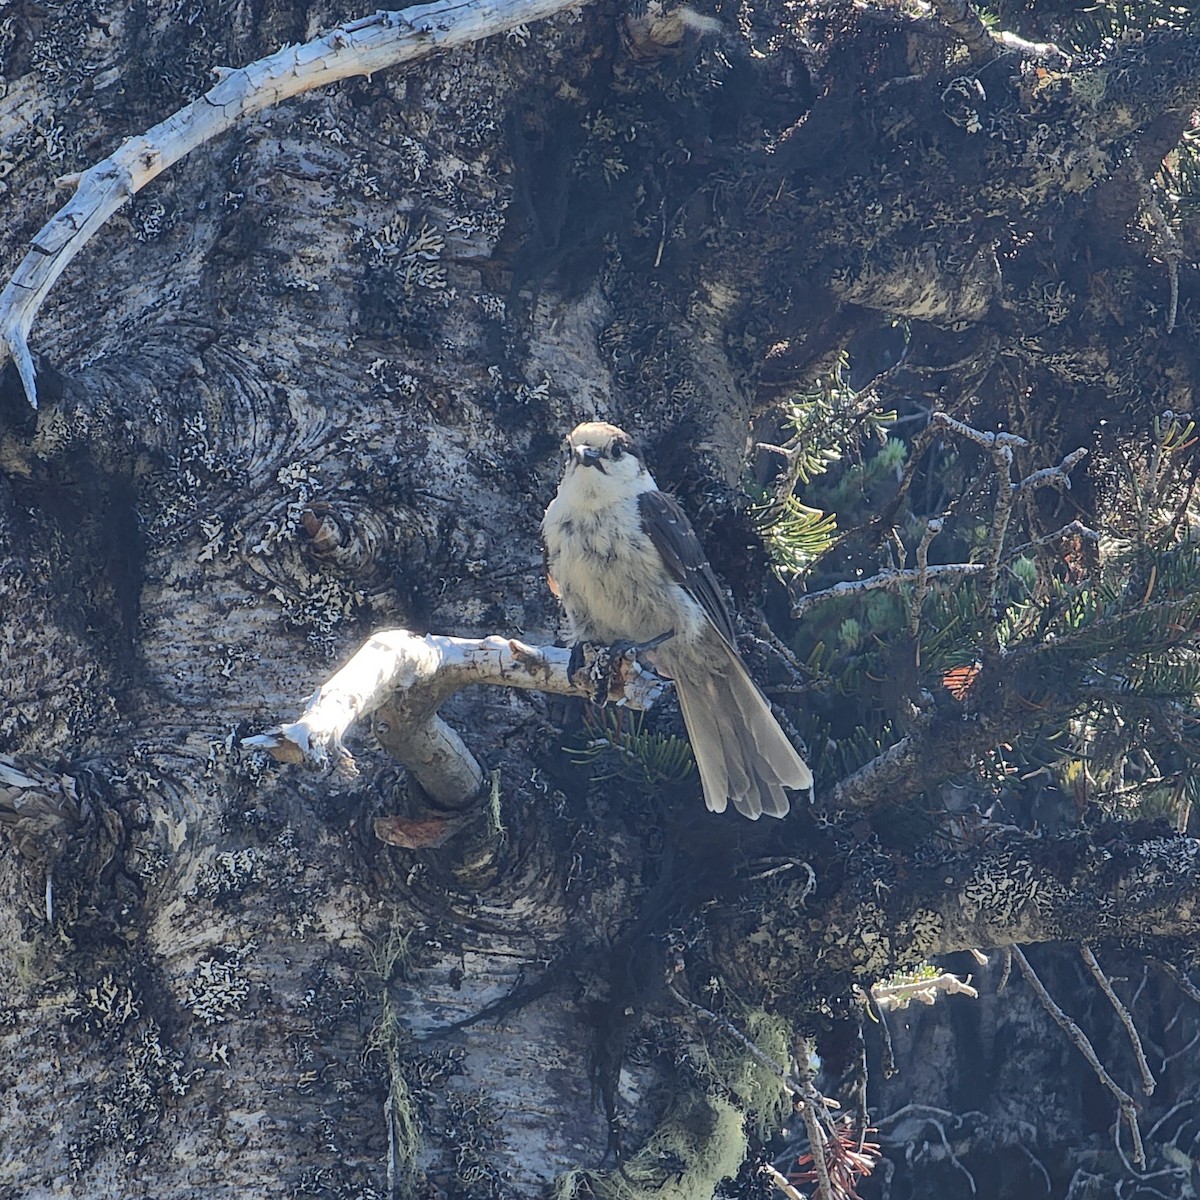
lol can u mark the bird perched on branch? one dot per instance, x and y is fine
(627, 565)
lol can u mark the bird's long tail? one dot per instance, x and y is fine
(742, 753)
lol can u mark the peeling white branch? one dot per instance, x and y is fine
(408, 676)
(900, 995)
(360, 47)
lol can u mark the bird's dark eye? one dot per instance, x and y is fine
(616, 451)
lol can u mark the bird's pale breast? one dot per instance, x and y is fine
(612, 579)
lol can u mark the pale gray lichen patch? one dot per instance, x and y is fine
(219, 987)
(999, 890)
(923, 931)
(230, 873)
(105, 1006)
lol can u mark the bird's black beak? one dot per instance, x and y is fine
(588, 456)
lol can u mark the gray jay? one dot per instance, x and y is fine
(627, 565)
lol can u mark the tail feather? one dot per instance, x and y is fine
(705, 734)
(741, 752)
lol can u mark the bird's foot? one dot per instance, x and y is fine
(606, 668)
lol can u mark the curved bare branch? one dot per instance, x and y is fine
(360, 47)
(411, 675)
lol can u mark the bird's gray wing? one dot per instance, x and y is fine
(683, 556)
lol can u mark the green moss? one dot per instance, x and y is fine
(757, 1088)
(701, 1141)
(390, 961)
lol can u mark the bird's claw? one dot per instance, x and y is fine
(578, 655)
(604, 667)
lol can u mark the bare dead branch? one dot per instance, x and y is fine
(989, 440)
(1171, 251)
(1002, 456)
(1126, 1017)
(408, 676)
(917, 603)
(890, 579)
(964, 21)
(1072, 529)
(780, 1180)
(1128, 1109)
(1057, 477)
(359, 47)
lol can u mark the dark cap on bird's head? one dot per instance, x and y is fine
(593, 442)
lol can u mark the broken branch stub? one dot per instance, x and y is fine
(360, 47)
(409, 676)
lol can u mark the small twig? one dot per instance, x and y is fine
(917, 603)
(887, 1052)
(1005, 969)
(1167, 1059)
(764, 633)
(1128, 1110)
(790, 1083)
(817, 1140)
(930, 1115)
(916, 453)
(891, 578)
(788, 864)
(1148, 493)
(1056, 477)
(1037, 1162)
(1182, 982)
(1074, 529)
(789, 477)
(780, 1180)
(1002, 456)
(1148, 1082)
(1172, 252)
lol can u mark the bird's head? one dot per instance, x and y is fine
(603, 461)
